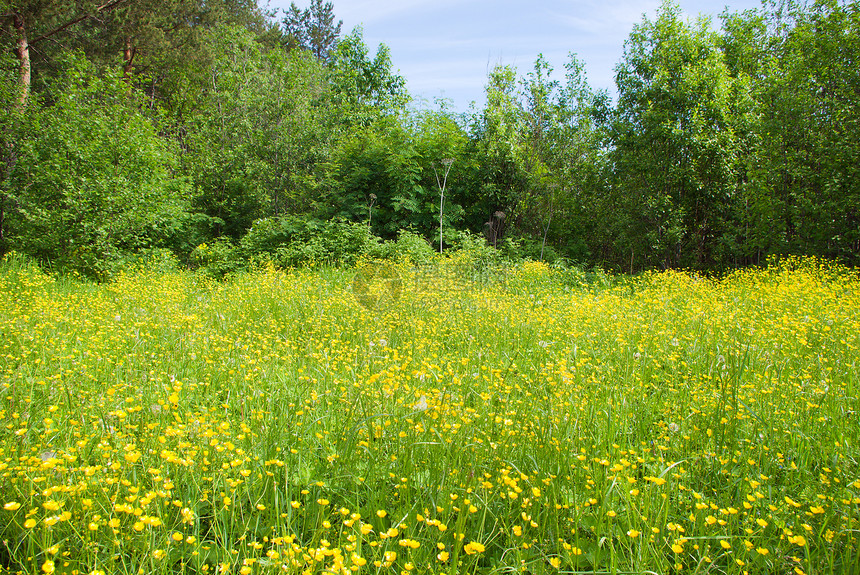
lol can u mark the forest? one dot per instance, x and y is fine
(219, 134)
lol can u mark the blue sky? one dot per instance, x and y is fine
(445, 48)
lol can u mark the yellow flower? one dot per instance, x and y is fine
(12, 506)
(358, 560)
(555, 562)
(442, 556)
(633, 534)
(473, 547)
(48, 566)
(799, 540)
(187, 516)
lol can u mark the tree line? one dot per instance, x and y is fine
(213, 127)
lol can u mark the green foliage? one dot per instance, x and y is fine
(219, 258)
(365, 88)
(155, 260)
(376, 177)
(93, 180)
(312, 29)
(410, 248)
(290, 241)
(439, 135)
(539, 154)
(474, 247)
(295, 242)
(723, 148)
(503, 178)
(676, 146)
(800, 197)
(259, 134)
(534, 249)
(13, 128)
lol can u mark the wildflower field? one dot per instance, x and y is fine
(443, 420)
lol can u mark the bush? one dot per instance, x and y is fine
(94, 179)
(533, 249)
(219, 259)
(409, 247)
(291, 241)
(158, 260)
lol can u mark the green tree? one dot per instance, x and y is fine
(363, 88)
(561, 152)
(27, 23)
(378, 165)
(258, 134)
(800, 192)
(536, 146)
(94, 181)
(14, 131)
(675, 143)
(439, 135)
(312, 29)
(498, 139)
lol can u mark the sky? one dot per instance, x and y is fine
(446, 48)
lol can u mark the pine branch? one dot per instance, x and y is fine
(106, 7)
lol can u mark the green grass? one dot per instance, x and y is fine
(443, 420)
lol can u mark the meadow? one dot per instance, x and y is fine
(442, 420)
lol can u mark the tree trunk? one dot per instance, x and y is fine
(128, 57)
(23, 52)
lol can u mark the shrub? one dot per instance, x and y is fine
(94, 179)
